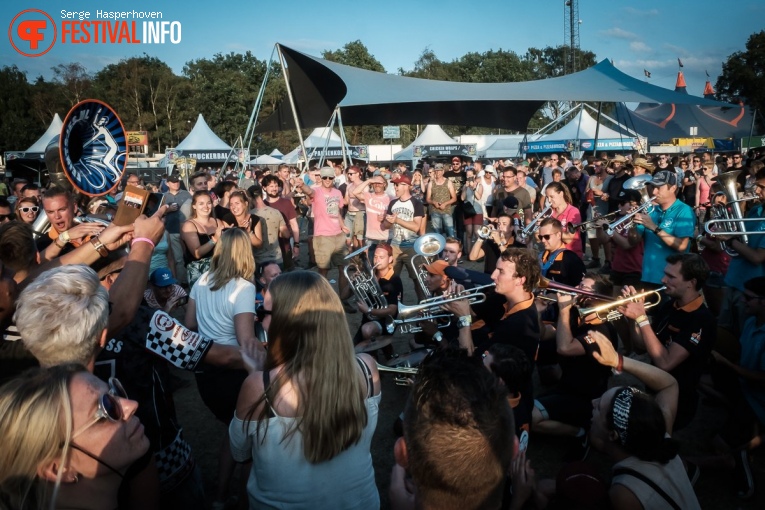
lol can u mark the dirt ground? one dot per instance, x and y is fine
(714, 488)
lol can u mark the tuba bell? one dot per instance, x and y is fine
(426, 248)
(729, 215)
(361, 278)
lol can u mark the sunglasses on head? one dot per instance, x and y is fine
(33, 208)
(108, 406)
(261, 312)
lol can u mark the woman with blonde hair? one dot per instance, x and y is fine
(199, 235)
(68, 438)
(27, 209)
(308, 418)
(222, 308)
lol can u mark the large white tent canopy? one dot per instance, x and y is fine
(431, 135)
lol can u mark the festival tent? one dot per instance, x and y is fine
(506, 147)
(264, 159)
(661, 121)
(202, 144)
(33, 159)
(276, 153)
(580, 132)
(365, 97)
(315, 143)
(431, 135)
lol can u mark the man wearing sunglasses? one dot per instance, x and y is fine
(558, 264)
(329, 230)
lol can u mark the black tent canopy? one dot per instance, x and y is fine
(371, 98)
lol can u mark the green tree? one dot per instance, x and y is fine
(74, 80)
(18, 129)
(743, 75)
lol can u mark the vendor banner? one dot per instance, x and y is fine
(211, 156)
(613, 144)
(354, 151)
(435, 151)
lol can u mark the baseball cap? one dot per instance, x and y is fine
(456, 159)
(664, 177)
(327, 172)
(510, 202)
(439, 166)
(402, 179)
(162, 277)
(174, 178)
(437, 267)
(629, 195)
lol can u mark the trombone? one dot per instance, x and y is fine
(400, 380)
(573, 227)
(560, 288)
(430, 309)
(609, 312)
(714, 233)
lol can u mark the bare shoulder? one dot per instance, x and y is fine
(251, 392)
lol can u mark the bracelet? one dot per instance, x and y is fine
(643, 323)
(296, 243)
(142, 240)
(641, 318)
(465, 321)
(99, 246)
(619, 366)
(657, 230)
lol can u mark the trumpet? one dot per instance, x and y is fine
(430, 309)
(529, 230)
(406, 371)
(608, 312)
(486, 231)
(573, 227)
(626, 221)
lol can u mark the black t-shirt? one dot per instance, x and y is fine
(688, 194)
(582, 375)
(567, 268)
(458, 180)
(224, 214)
(615, 185)
(393, 291)
(694, 328)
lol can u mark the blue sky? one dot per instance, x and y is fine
(646, 35)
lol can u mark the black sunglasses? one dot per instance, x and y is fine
(327, 178)
(4, 217)
(261, 312)
(545, 237)
(34, 209)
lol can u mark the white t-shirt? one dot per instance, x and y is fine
(216, 309)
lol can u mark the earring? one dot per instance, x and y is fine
(74, 479)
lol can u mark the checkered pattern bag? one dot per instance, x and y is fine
(180, 346)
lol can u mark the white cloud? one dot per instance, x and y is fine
(648, 13)
(619, 33)
(640, 47)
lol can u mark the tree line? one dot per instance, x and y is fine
(149, 96)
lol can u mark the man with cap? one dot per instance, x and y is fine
(175, 199)
(611, 189)
(666, 229)
(163, 292)
(749, 263)
(375, 321)
(457, 176)
(376, 204)
(404, 218)
(329, 230)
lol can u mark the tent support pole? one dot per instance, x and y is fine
(250, 131)
(292, 101)
(343, 141)
(330, 127)
(597, 129)
(751, 130)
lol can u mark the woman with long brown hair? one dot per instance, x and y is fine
(199, 235)
(308, 418)
(239, 205)
(559, 197)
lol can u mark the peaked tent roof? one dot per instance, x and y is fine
(373, 98)
(583, 126)
(661, 121)
(276, 153)
(316, 140)
(431, 135)
(54, 129)
(265, 159)
(202, 137)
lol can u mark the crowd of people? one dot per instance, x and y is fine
(591, 268)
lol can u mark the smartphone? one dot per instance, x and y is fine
(153, 202)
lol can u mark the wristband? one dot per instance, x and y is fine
(142, 240)
(296, 243)
(657, 230)
(465, 321)
(641, 318)
(619, 366)
(643, 323)
(99, 246)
